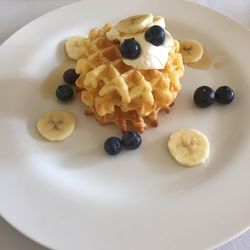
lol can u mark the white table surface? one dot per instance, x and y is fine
(15, 13)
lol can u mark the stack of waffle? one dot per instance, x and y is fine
(117, 93)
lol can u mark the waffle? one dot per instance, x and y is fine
(117, 93)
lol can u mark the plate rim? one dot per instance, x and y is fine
(76, 3)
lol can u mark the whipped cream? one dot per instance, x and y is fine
(151, 56)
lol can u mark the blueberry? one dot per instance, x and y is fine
(224, 95)
(204, 96)
(130, 49)
(113, 146)
(131, 140)
(155, 35)
(64, 92)
(70, 76)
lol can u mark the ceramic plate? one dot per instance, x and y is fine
(71, 195)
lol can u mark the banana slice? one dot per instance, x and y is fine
(56, 125)
(191, 51)
(159, 20)
(134, 24)
(188, 147)
(75, 47)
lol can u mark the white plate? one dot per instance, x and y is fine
(71, 195)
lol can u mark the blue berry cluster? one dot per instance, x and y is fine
(204, 96)
(130, 140)
(65, 92)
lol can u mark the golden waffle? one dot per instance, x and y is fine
(120, 94)
(129, 119)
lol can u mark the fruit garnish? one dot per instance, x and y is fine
(204, 97)
(70, 76)
(191, 51)
(155, 35)
(224, 95)
(188, 147)
(56, 125)
(64, 92)
(134, 24)
(131, 140)
(75, 47)
(113, 146)
(130, 49)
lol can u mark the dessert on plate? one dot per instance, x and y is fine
(128, 72)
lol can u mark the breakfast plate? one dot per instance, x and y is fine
(71, 195)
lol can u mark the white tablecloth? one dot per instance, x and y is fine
(15, 13)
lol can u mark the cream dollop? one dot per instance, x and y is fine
(151, 56)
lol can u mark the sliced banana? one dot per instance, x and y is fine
(191, 51)
(56, 125)
(159, 20)
(135, 24)
(75, 47)
(188, 147)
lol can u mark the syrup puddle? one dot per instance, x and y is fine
(204, 63)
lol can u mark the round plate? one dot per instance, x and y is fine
(71, 195)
